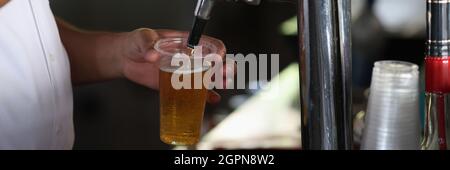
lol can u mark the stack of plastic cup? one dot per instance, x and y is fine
(392, 121)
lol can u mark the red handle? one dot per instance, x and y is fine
(437, 74)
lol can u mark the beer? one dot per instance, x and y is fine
(181, 111)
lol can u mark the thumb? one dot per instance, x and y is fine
(152, 56)
(147, 38)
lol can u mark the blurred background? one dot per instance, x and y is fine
(122, 115)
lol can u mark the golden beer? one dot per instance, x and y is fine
(181, 111)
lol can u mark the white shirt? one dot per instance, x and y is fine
(35, 88)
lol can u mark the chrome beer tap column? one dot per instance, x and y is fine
(325, 66)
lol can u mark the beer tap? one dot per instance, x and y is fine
(202, 15)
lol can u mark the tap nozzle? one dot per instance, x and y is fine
(202, 15)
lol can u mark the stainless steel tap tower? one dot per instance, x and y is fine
(325, 67)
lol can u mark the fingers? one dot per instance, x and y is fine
(213, 97)
(148, 38)
(140, 45)
(152, 56)
(218, 43)
(229, 71)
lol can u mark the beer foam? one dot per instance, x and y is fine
(179, 70)
(167, 67)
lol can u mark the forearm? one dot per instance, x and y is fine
(94, 56)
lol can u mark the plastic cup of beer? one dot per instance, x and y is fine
(181, 109)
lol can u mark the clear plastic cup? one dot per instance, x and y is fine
(392, 121)
(181, 109)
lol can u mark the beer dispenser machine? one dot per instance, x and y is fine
(325, 68)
